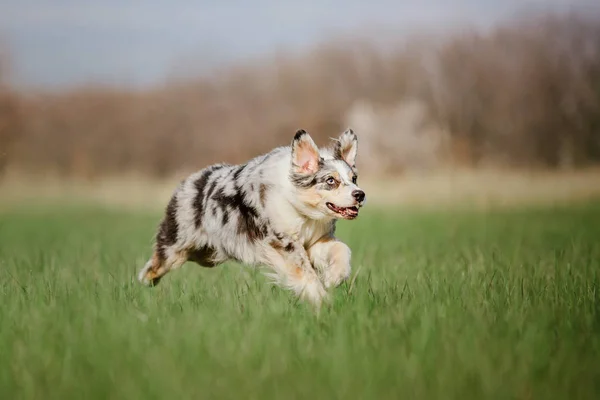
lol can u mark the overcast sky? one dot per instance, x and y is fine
(55, 43)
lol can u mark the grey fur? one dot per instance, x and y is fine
(247, 213)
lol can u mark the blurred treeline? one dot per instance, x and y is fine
(525, 94)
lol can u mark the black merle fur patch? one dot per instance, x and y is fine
(225, 218)
(299, 134)
(203, 256)
(200, 185)
(303, 181)
(289, 247)
(211, 189)
(248, 223)
(238, 171)
(168, 229)
(199, 200)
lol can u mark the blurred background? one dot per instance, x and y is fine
(494, 100)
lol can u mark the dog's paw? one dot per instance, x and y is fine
(147, 277)
(335, 275)
(314, 293)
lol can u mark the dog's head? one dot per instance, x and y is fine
(326, 180)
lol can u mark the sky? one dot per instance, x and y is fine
(61, 43)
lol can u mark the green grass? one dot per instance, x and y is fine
(501, 305)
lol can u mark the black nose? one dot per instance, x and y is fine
(359, 195)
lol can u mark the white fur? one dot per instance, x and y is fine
(261, 218)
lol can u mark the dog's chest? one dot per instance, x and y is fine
(309, 232)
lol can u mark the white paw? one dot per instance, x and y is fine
(143, 279)
(143, 275)
(314, 292)
(335, 275)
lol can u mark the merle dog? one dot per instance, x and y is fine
(279, 210)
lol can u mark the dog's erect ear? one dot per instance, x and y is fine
(305, 153)
(346, 146)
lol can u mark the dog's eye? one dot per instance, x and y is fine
(330, 181)
(354, 179)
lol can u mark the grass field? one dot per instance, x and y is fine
(502, 305)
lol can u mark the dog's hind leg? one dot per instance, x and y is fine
(159, 265)
(167, 254)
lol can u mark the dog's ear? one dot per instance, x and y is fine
(305, 153)
(346, 146)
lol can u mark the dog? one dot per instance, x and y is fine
(279, 210)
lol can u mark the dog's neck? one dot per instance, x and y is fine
(297, 220)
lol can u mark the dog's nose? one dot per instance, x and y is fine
(359, 195)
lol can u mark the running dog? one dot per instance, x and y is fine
(279, 210)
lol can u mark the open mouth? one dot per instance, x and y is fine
(345, 212)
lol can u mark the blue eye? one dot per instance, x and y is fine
(330, 181)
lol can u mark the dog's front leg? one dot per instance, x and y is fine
(293, 270)
(332, 258)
